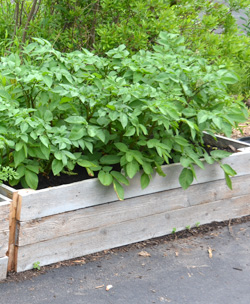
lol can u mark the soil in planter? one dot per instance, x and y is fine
(80, 174)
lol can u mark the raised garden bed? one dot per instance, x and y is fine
(69, 221)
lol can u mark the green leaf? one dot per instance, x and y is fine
(48, 80)
(228, 181)
(129, 157)
(110, 159)
(31, 179)
(186, 178)
(145, 180)
(228, 169)
(19, 156)
(119, 190)
(48, 116)
(130, 131)
(75, 120)
(57, 166)
(132, 168)
(120, 177)
(44, 139)
(90, 172)
(33, 168)
(230, 78)
(181, 140)
(219, 154)
(202, 116)
(208, 159)
(45, 151)
(123, 120)
(186, 161)
(19, 146)
(105, 178)
(147, 168)
(77, 134)
(85, 163)
(121, 146)
(159, 170)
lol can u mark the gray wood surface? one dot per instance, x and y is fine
(4, 241)
(128, 232)
(88, 193)
(58, 225)
(7, 191)
(4, 215)
(4, 227)
(3, 268)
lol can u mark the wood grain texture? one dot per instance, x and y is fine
(88, 193)
(4, 241)
(7, 191)
(3, 268)
(84, 219)
(4, 215)
(128, 232)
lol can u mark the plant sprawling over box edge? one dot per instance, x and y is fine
(134, 112)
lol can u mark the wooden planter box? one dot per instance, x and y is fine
(69, 221)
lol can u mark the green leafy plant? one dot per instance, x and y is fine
(115, 116)
(188, 227)
(36, 265)
(7, 174)
(173, 230)
(197, 224)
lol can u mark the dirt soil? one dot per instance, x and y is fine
(209, 230)
(245, 130)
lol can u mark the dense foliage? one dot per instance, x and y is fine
(100, 25)
(131, 111)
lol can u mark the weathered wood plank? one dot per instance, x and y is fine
(13, 231)
(4, 227)
(87, 193)
(3, 268)
(4, 241)
(108, 214)
(4, 215)
(7, 191)
(128, 232)
(4, 198)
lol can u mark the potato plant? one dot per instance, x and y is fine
(115, 116)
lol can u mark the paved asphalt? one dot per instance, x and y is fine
(178, 271)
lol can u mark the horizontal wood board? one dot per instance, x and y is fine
(3, 268)
(88, 193)
(127, 232)
(7, 191)
(58, 225)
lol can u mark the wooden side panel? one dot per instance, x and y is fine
(52, 227)
(88, 193)
(6, 191)
(130, 231)
(3, 268)
(4, 227)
